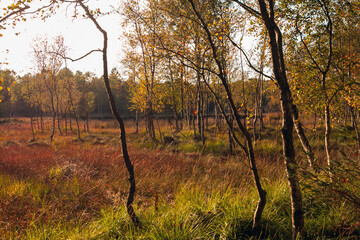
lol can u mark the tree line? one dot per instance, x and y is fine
(82, 96)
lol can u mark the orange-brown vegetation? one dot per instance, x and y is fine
(79, 178)
(71, 181)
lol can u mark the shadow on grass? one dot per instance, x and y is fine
(241, 229)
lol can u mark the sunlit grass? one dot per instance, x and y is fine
(71, 189)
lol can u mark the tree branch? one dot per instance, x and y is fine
(307, 48)
(248, 60)
(13, 13)
(248, 8)
(77, 59)
(243, 147)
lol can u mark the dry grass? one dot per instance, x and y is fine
(70, 181)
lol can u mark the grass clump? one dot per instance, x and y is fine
(77, 189)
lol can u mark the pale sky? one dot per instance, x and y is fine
(80, 35)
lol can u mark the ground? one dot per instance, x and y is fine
(77, 189)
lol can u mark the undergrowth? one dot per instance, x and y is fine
(73, 189)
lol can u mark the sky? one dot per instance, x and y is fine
(81, 36)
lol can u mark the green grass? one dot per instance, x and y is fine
(77, 190)
(196, 214)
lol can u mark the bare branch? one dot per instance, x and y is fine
(330, 30)
(77, 59)
(307, 48)
(39, 9)
(248, 60)
(248, 8)
(243, 147)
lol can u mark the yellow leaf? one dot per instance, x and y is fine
(1, 87)
(8, 89)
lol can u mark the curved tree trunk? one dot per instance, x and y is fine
(304, 142)
(129, 166)
(275, 37)
(248, 149)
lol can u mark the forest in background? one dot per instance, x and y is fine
(188, 85)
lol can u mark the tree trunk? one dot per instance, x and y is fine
(32, 124)
(254, 127)
(150, 122)
(216, 112)
(42, 121)
(194, 125)
(230, 138)
(248, 149)
(326, 121)
(136, 122)
(53, 118)
(291, 166)
(87, 123)
(304, 142)
(182, 96)
(188, 108)
(58, 112)
(207, 112)
(128, 164)
(199, 114)
(59, 123)
(279, 68)
(70, 124)
(174, 105)
(77, 124)
(257, 105)
(356, 128)
(65, 118)
(327, 135)
(37, 119)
